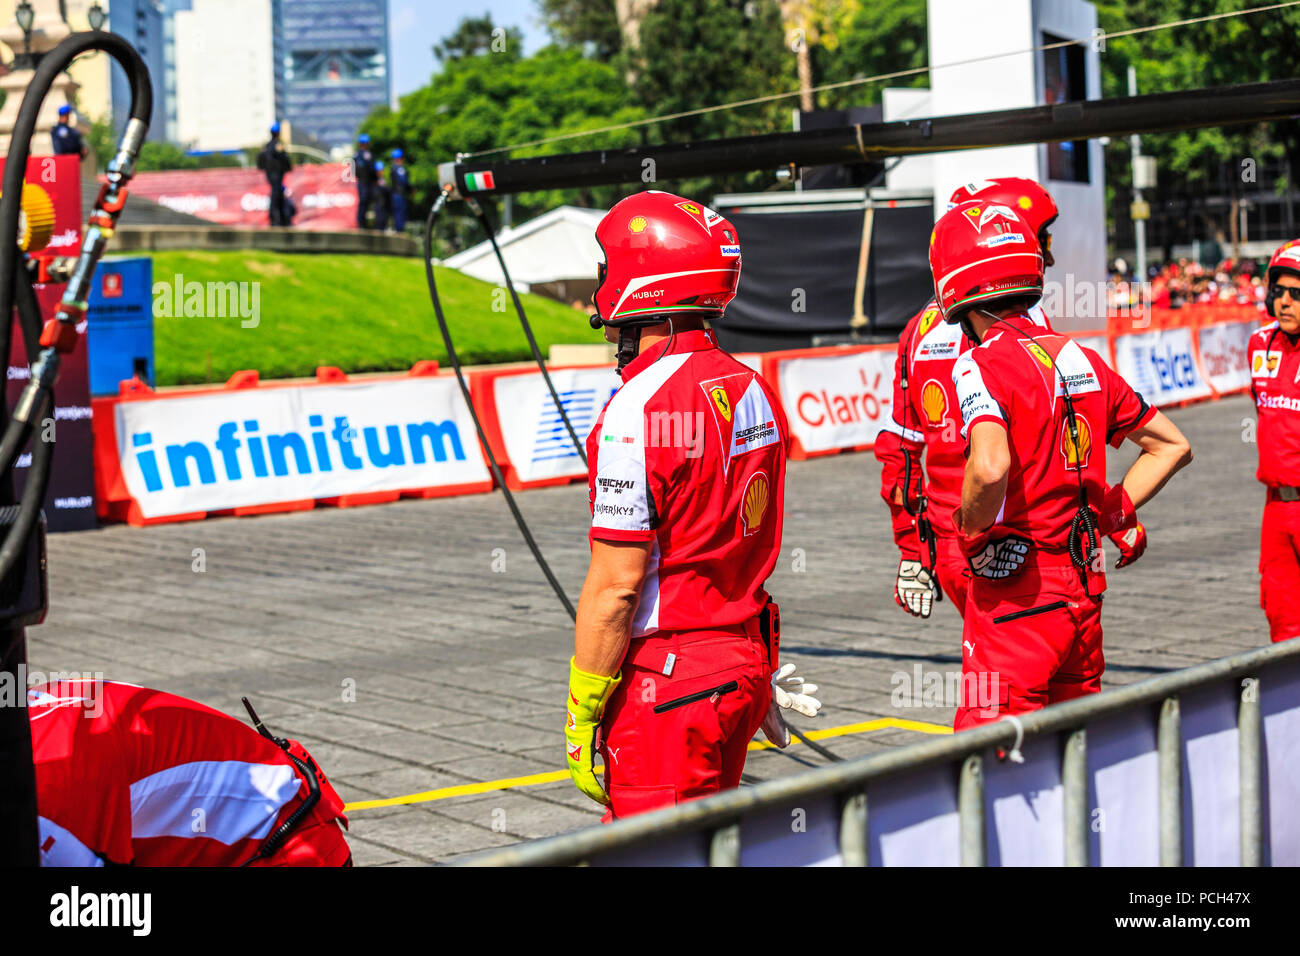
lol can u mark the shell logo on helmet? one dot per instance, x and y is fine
(637, 224)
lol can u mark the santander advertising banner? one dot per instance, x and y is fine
(325, 195)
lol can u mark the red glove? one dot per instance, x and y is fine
(1132, 544)
(1117, 512)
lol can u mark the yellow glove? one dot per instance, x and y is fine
(588, 695)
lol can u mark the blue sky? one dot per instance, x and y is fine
(416, 25)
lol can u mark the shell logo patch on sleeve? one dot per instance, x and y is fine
(753, 504)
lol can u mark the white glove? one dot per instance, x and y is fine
(914, 589)
(1001, 558)
(788, 693)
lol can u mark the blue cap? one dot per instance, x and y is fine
(397, 153)
(275, 127)
(65, 109)
(363, 138)
(379, 166)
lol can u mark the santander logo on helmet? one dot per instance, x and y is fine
(665, 255)
(981, 252)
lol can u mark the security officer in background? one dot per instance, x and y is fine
(363, 167)
(67, 140)
(275, 163)
(400, 185)
(676, 638)
(383, 197)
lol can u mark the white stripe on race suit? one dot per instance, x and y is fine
(973, 398)
(60, 848)
(622, 486)
(646, 619)
(239, 800)
(907, 434)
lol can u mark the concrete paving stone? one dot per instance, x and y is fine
(459, 672)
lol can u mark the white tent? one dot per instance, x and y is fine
(553, 254)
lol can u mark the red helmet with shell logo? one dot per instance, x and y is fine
(1032, 202)
(664, 255)
(982, 252)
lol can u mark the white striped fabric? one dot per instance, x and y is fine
(223, 800)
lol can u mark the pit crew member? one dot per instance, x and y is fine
(675, 646)
(1038, 410)
(1274, 353)
(126, 775)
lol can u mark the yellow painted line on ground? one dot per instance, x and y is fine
(533, 780)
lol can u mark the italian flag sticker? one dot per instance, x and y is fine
(480, 181)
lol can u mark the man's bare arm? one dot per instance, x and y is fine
(607, 604)
(984, 485)
(1164, 451)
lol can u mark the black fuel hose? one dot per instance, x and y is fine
(469, 402)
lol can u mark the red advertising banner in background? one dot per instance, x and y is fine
(70, 503)
(325, 195)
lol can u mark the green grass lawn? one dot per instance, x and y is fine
(360, 313)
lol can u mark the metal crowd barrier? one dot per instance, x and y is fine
(1195, 767)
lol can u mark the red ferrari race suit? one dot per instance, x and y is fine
(1032, 629)
(689, 455)
(1275, 386)
(131, 776)
(926, 418)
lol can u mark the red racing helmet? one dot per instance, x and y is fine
(1285, 259)
(664, 255)
(1032, 202)
(981, 252)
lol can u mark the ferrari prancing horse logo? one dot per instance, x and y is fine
(719, 396)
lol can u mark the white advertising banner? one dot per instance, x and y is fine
(837, 401)
(1161, 365)
(538, 445)
(260, 446)
(1223, 355)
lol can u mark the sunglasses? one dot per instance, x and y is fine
(1291, 290)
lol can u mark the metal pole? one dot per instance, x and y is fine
(970, 812)
(1074, 781)
(724, 846)
(1249, 753)
(1139, 225)
(854, 850)
(1169, 747)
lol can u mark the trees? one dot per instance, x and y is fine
(481, 100)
